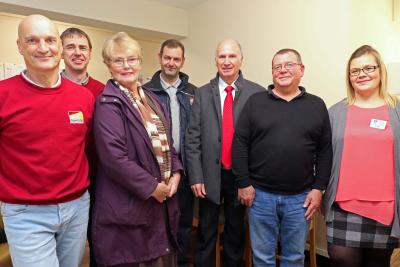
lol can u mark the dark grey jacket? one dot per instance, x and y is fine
(203, 136)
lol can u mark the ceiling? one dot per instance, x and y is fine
(185, 4)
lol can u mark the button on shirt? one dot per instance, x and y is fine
(221, 86)
(171, 90)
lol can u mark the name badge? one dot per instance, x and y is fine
(378, 124)
(75, 117)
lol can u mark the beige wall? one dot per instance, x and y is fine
(143, 17)
(9, 52)
(324, 32)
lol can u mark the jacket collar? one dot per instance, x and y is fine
(114, 94)
(155, 84)
(112, 90)
(238, 82)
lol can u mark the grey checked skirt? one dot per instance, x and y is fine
(352, 230)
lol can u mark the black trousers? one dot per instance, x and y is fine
(185, 199)
(233, 237)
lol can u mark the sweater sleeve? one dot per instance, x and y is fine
(240, 147)
(323, 159)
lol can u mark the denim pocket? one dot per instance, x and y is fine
(8, 209)
(85, 197)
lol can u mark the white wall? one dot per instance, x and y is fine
(324, 32)
(9, 52)
(144, 18)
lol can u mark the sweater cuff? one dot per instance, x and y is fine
(242, 183)
(320, 185)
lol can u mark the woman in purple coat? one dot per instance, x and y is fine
(135, 216)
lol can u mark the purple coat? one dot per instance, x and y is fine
(128, 225)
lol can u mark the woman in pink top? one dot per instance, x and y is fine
(361, 201)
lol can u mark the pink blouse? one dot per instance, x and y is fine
(366, 179)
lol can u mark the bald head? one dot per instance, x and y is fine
(228, 59)
(231, 43)
(40, 45)
(36, 21)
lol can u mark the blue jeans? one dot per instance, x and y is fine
(47, 235)
(273, 216)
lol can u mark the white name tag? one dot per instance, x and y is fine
(378, 124)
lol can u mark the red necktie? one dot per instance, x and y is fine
(227, 129)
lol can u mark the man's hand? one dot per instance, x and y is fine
(161, 192)
(312, 203)
(199, 190)
(246, 195)
(173, 183)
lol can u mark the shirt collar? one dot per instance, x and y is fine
(23, 73)
(222, 84)
(84, 82)
(166, 85)
(271, 87)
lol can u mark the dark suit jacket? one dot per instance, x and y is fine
(203, 135)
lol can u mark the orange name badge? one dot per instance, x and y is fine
(75, 117)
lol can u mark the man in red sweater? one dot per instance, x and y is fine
(44, 120)
(77, 52)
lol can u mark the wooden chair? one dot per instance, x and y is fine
(312, 243)
(248, 255)
(5, 259)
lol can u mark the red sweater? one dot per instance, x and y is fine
(42, 141)
(94, 86)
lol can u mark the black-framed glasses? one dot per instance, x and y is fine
(287, 66)
(366, 69)
(119, 62)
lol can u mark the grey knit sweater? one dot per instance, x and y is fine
(337, 116)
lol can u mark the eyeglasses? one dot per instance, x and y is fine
(287, 66)
(366, 69)
(119, 62)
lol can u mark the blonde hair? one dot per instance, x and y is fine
(120, 40)
(389, 99)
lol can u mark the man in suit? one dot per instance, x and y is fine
(217, 105)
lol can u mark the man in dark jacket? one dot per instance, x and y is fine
(176, 93)
(215, 110)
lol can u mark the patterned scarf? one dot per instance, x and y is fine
(154, 122)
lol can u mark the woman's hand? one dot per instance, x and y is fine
(161, 192)
(173, 183)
